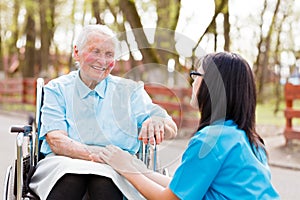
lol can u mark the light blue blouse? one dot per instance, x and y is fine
(219, 164)
(109, 114)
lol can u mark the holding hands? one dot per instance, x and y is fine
(154, 130)
(122, 161)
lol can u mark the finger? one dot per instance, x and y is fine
(101, 160)
(162, 135)
(143, 133)
(93, 158)
(104, 157)
(162, 132)
(112, 148)
(151, 129)
(106, 151)
(157, 133)
(99, 156)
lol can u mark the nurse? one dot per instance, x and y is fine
(226, 158)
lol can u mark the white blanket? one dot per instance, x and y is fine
(53, 167)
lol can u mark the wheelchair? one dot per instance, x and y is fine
(17, 178)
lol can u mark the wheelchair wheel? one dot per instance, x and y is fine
(9, 184)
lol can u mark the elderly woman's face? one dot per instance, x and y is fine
(96, 58)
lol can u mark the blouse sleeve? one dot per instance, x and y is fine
(53, 110)
(196, 172)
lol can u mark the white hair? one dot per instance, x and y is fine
(103, 29)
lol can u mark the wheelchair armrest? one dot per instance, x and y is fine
(21, 129)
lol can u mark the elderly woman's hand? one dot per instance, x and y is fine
(153, 130)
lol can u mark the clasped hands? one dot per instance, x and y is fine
(152, 131)
(122, 161)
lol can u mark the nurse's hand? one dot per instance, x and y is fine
(94, 153)
(122, 161)
(153, 130)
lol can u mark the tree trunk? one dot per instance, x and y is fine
(45, 35)
(165, 32)
(28, 68)
(13, 52)
(262, 73)
(277, 60)
(96, 11)
(213, 30)
(219, 7)
(84, 12)
(15, 28)
(47, 10)
(164, 42)
(129, 11)
(256, 65)
(226, 31)
(73, 37)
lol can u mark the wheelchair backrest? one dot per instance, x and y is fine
(144, 149)
(39, 103)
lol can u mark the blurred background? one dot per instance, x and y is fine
(156, 37)
(158, 43)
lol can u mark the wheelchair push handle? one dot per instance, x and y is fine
(21, 129)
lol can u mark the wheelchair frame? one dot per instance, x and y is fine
(16, 183)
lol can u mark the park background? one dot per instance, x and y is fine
(159, 41)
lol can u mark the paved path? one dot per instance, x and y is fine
(284, 177)
(7, 143)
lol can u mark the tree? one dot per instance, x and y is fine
(96, 10)
(13, 52)
(262, 61)
(226, 28)
(168, 15)
(28, 68)
(278, 49)
(130, 13)
(47, 25)
(221, 6)
(37, 24)
(163, 47)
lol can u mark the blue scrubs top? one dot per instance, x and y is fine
(220, 164)
(109, 114)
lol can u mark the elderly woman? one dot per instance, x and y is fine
(86, 110)
(226, 158)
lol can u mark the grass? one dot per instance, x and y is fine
(265, 114)
(17, 107)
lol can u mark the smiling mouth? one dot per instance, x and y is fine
(99, 68)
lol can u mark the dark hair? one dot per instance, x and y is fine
(228, 92)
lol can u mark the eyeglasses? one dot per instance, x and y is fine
(194, 74)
